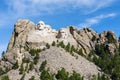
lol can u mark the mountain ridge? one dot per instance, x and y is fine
(27, 36)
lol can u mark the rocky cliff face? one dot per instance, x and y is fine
(18, 40)
(19, 36)
(27, 35)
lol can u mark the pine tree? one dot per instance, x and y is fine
(45, 75)
(75, 76)
(5, 78)
(32, 52)
(31, 66)
(62, 44)
(23, 76)
(26, 60)
(3, 53)
(62, 75)
(32, 78)
(15, 66)
(48, 46)
(21, 69)
(72, 49)
(42, 67)
(53, 43)
(1, 71)
(36, 59)
(80, 52)
(67, 48)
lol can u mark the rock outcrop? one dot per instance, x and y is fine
(19, 36)
(27, 35)
(88, 39)
(18, 40)
(84, 39)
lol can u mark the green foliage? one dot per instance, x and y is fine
(36, 58)
(62, 75)
(32, 78)
(80, 52)
(26, 67)
(21, 69)
(53, 43)
(109, 65)
(44, 49)
(110, 38)
(75, 76)
(3, 53)
(5, 78)
(67, 48)
(48, 46)
(57, 41)
(23, 76)
(31, 66)
(42, 67)
(61, 44)
(119, 48)
(25, 60)
(104, 59)
(15, 66)
(119, 38)
(94, 77)
(1, 71)
(72, 49)
(45, 75)
(99, 49)
(34, 51)
(100, 77)
(7, 69)
(93, 38)
(115, 67)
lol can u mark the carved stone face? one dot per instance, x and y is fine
(41, 25)
(62, 34)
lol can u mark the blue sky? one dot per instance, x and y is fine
(99, 15)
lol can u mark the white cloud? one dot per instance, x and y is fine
(29, 8)
(39, 7)
(95, 20)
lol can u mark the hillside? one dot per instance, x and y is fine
(38, 52)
